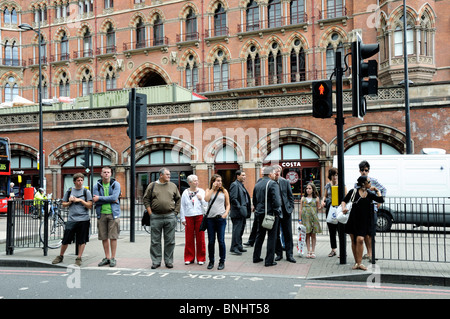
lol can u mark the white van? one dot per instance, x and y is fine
(418, 187)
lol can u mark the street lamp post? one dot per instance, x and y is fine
(406, 83)
(27, 27)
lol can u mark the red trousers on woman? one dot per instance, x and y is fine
(195, 240)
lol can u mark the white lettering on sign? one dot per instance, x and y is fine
(290, 164)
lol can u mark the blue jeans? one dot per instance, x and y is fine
(216, 226)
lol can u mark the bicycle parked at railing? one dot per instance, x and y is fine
(56, 225)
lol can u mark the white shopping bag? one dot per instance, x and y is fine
(301, 244)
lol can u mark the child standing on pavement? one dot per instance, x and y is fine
(309, 209)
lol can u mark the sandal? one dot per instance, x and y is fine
(308, 255)
(332, 254)
(362, 267)
(356, 266)
(313, 255)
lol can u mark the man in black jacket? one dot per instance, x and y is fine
(287, 207)
(273, 208)
(239, 212)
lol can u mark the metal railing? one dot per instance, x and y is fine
(419, 228)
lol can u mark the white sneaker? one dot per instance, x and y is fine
(201, 262)
(187, 262)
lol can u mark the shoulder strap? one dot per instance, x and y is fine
(265, 204)
(151, 192)
(212, 202)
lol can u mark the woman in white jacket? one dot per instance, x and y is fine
(191, 214)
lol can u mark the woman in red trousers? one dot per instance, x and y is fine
(191, 213)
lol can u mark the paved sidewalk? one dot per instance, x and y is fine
(136, 255)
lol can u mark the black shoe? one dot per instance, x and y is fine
(248, 244)
(169, 265)
(291, 259)
(154, 266)
(221, 266)
(236, 252)
(270, 264)
(257, 260)
(277, 258)
(210, 265)
(242, 250)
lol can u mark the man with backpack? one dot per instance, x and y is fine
(79, 201)
(107, 207)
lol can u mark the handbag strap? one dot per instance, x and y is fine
(353, 195)
(212, 202)
(265, 204)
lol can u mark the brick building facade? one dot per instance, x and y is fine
(253, 60)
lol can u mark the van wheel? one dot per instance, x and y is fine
(384, 221)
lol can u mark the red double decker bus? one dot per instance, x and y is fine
(5, 174)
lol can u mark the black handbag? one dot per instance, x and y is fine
(145, 221)
(204, 224)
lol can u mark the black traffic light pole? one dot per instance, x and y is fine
(132, 134)
(340, 150)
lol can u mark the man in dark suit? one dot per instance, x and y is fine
(273, 208)
(287, 207)
(239, 212)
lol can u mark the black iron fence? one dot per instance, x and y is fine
(407, 228)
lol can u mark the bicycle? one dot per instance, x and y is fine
(56, 226)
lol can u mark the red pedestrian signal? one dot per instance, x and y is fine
(322, 99)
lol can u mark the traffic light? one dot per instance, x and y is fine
(85, 158)
(137, 107)
(141, 115)
(322, 102)
(361, 70)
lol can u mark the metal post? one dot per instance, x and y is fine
(132, 162)
(10, 221)
(405, 58)
(41, 128)
(340, 150)
(46, 215)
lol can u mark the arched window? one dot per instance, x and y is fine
(15, 54)
(220, 21)
(191, 26)
(158, 32)
(87, 83)
(110, 79)
(64, 47)
(220, 70)
(253, 67)
(252, 16)
(64, 86)
(298, 71)
(275, 64)
(191, 74)
(331, 55)
(87, 44)
(8, 54)
(398, 40)
(371, 148)
(140, 34)
(6, 16)
(43, 50)
(11, 89)
(110, 39)
(226, 154)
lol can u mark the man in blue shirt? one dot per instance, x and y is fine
(107, 207)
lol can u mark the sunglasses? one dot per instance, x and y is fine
(365, 170)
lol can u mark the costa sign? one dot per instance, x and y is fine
(290, 164)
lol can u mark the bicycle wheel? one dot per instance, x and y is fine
(56, 226)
